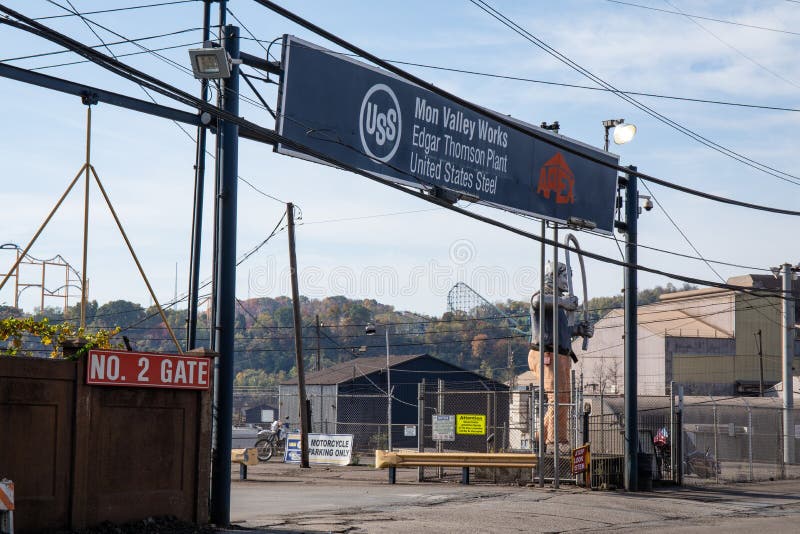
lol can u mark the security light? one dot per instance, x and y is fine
(370, 330)
(623, 133)
(210, 63)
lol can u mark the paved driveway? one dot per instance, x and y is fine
(283, 498)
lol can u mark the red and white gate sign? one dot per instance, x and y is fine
(145, 369)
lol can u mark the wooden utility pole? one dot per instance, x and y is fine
(318, 346)
(298, 341)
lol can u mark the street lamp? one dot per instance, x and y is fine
(623, 133)
(370, 331)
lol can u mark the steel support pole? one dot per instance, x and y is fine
(388, 395)
(556, 458)
(197, 214)
(226, 287)
(787, 339)
(631, 327)
(540, 463)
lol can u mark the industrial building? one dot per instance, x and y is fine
(350, 397)
(711, 341)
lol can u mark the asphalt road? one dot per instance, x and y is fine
(283, 498)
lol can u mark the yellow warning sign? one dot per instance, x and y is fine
(471, 424)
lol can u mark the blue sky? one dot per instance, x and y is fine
(363, 240)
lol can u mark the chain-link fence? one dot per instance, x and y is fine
(731, 439)
(736, 440)
(701, 440)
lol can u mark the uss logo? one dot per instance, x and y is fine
(557, 178)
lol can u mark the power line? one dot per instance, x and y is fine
(497, 117)
(128, 72)
(116, 10)
(516, 28)
(376, 216)
(102, 45)
(701, 17)
(89, 23)
(588, 87)
(748, 58)
(140, 52)
(172, 92)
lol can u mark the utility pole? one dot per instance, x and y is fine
(197, 213)
(788, 357)
(318, 345)
(298, 341)
(631, 327)
(225, 290)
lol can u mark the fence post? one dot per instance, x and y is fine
(533, 418)
(488, 421)
(421, 426)
(672, 470)
(781, 474)
(678, 463)
(749, 437)
(440, 411)
(716, 452)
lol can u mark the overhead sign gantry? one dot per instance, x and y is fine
(378, 122)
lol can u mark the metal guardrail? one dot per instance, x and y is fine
(464, 460)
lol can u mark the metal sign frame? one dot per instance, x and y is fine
(376, 121)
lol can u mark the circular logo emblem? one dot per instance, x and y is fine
(379, 123)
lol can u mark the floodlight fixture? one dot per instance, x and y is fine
(210, 62)
(624, 133)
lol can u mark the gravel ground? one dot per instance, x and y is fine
(151, 525)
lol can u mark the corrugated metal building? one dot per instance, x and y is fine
(713, 341)
(350, 397)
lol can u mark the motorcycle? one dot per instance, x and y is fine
(268, 441)
(661, 446)
(704, 465)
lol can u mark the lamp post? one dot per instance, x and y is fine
(623, 133)
(370, 330)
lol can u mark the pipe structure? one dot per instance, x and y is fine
(571, 238)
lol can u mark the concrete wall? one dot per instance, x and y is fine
(754, 313)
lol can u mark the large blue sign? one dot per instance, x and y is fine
(375, 121)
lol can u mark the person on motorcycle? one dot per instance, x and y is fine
(275, 426)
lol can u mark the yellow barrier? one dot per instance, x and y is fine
(385, 459)
(247, 456)
(244, 457)
(464, 460)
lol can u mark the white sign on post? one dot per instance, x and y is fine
(326, 449)
(444, 427)
(410, 431)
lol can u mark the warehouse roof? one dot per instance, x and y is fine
(344, 371)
